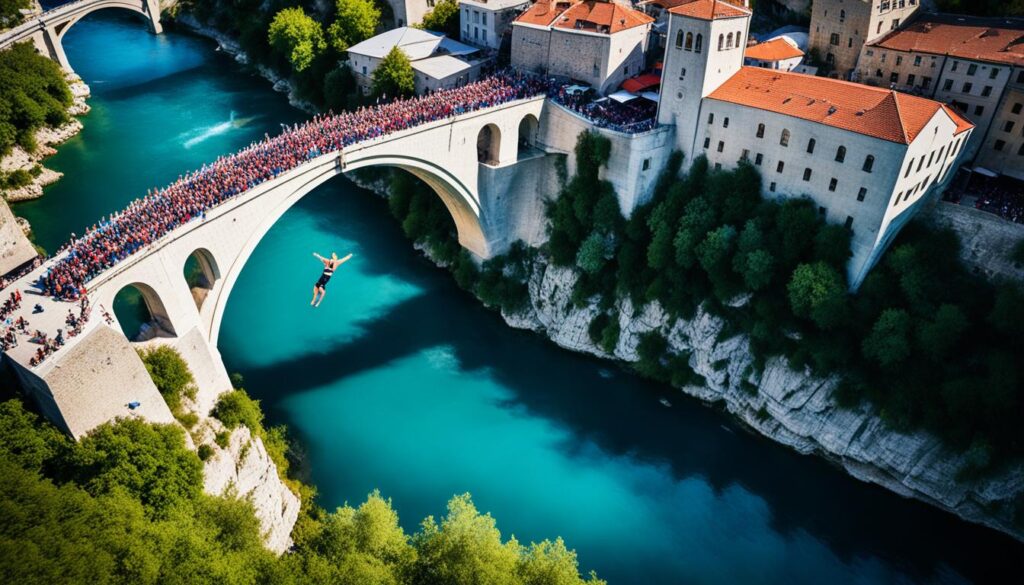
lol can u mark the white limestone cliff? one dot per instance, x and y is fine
(791, 407)
(245, 470)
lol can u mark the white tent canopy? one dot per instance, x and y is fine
(650, 95)
(623, 96)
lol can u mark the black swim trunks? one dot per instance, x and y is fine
(324, 279)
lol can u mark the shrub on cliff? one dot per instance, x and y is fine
(235, 409)
(170, 374)
(34, 94)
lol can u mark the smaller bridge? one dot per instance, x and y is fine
(46, 31)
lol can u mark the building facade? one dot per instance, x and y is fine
(482, 23)
(410, 12)
(437, 61)
(976, 65)
(840, 28)
(867, 157)
(593, 42)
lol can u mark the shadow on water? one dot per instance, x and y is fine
(620, 413)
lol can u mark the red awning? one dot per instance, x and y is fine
(641, 82)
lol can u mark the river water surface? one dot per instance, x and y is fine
(402, 382)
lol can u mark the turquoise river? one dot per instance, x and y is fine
(402, 382)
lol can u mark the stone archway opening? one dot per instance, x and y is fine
(527, 136)
(488, 145)
(201, 273)
(141, 313)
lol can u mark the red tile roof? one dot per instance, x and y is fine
(591, 15)
(773, 50)
(980, 39)
(709, 10)
(884, 114)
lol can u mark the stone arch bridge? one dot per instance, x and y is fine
(466, 159)
(46, 31)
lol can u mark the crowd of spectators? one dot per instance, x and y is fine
(635, 116)
(1000, 196)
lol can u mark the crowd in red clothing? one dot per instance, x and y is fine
(148, 219)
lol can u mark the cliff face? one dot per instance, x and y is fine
(791, 407)
(245, 470)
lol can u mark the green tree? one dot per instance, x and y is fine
(444, 18)
(939, 335)
(169, 372)
(816, 291)
(24, 439)
(296, 36)
(236, 409)
(757, 268)
(465, 548)
(551, 563)
(889, 341)
(356, 21)
(592, 255)
(33, 94)
(394, 76)
(10, 14)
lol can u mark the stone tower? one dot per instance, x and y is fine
(840, 28)
(705, 45)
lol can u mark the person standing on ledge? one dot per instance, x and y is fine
(330, 265)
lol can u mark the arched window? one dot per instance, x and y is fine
(869, 163)
(697, 46)
(682, 73)
(728, 41)
(810, 146)
(842, 15)
(679, 39)
(738, 37)
(721, 42)
(760, 130)
(784, 139)
(841, 154)
(711, 118)
(689, 41)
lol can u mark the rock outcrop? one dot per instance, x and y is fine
(789, 406)
(245, 470)
(15, 247)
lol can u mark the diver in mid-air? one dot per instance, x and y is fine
(330, 265)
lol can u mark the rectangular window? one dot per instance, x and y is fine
(972, 69)
(1020, 77)
(849, 222)
(979, 110)
(968, 86)
(745, 155)
(926, 82)
(894, 77)
(993, 73)
(1017, 108)
(909, 167)
(721, 146)
(917, 61)
(758, 159)
(999, 145)
(834, 39)
(822, 211)
(911, 78)
(896, 201)
(725, 122)
(647, 164)
(986, 91)
(780, 166)
(807, 174)
(899, 59)
(707, 142)
(832, 184)
(955, 65)
(862, 194)
(711, 118)
(1008, 127)
(947, 85)
(718, 166)
(771, 187)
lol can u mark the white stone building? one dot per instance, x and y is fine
(436, 60)
(483, 22)
(780, 53)
(839, 28)
(976, 65)
(593, 42)
(866, 156)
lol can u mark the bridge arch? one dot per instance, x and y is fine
(488, 144)
(139, 7)
(142, 313)
(458, 198)
(528, 126)
(201, 273)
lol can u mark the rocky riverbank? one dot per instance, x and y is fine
(47, 139)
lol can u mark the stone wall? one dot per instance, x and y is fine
(15, 247)
(986, 240)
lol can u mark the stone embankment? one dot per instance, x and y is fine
(788, 406)
(47, 139)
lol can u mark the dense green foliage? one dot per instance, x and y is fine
(925, 342)
(33, 94)
(125, 506)
(356, 21)
(296, 36)
(394, 76)
(170, 373)
(10, 14)
(443, 18)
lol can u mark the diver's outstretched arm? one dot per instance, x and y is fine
(345, 259)
(319, 257)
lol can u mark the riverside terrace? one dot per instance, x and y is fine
(328, 145)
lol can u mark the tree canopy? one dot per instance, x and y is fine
(394, 76)
(443, 18)
(296, 36)
(33, 94)
(354, 22)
